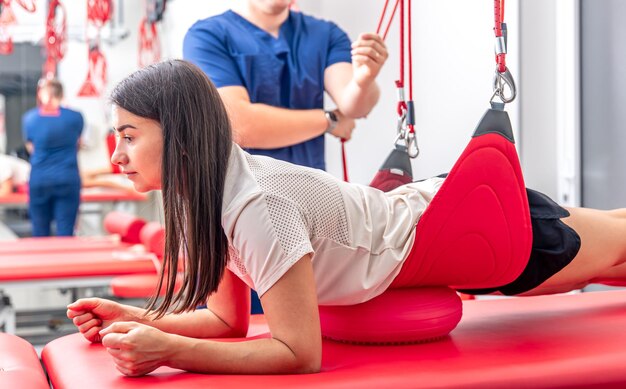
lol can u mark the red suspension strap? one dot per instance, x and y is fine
(498, 13)
(149, 42)
(56, 37)
(405, 109)
(98, 14)
(503, 78)
(7, 19)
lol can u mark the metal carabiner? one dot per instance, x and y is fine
(411, 145)
(500, 79)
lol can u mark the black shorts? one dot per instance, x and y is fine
(554, 246)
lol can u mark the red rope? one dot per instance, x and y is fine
(344, 160)
(382, 16)
(410, 54)
(498, 13)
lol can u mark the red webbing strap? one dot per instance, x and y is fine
(56, 37)
(99, 11)
(149, 43)
(498, 13)
(28, 5)
(402, 104)
(344, 160)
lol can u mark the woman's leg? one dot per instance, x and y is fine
(602, 251)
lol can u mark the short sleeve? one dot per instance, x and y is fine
(270, 236)
(5, 169)
(339, 47)
(205, 45)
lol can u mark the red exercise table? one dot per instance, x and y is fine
(560, 341)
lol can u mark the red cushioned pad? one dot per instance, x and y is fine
(476, 232)
(125, 225)
(51, 244)
(139, 285)
(19, 364)
(98, 263)
(396, 316)
(565, 341)
(152, 236)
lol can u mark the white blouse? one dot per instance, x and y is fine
(275, 212)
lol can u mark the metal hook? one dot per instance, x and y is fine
(411, 145)
(500, 79)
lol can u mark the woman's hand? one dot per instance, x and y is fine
(91, 315)
(138, 349)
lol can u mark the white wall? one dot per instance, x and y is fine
(453, 66)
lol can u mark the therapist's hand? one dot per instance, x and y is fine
(369, 54)
(138, 349)
(91, 315)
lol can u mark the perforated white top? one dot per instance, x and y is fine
(275, 212)
(14, 168)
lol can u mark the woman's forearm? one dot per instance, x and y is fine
(201, 323)
(259, 356)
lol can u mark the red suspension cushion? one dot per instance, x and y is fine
(397, 316)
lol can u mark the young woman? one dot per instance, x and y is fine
(297, 235)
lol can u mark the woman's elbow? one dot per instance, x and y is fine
(311, 367)
(309, 361)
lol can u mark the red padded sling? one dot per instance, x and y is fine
(476, 232)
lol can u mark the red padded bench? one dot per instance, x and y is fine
(19, 364)
(560, 341)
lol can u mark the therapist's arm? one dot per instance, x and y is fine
(264, 126)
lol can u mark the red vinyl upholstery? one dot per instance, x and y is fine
(396, 316)
(125, 225)
(476, 232)
(19, 364)
(50, 244)
(561, 341)
(139, 285)
(79, 264)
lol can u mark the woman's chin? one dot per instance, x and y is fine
(143, 188)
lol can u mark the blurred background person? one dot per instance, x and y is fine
(14, 173)
(52, 135)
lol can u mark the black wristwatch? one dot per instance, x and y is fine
(331, 118)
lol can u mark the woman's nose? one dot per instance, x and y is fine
(119, 157)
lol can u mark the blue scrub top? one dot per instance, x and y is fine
(286, 72)
(55, 139)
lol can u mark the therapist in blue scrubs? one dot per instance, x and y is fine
(271, 66)
(52, 135)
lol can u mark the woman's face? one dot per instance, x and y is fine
(139, 149)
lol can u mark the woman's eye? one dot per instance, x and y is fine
(127, 139)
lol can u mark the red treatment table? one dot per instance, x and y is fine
(19, 364)
(71, 269)
(54, 244)
(561, 341)
(108, 195)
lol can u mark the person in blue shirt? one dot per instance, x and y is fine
(52, 135)
(272, 65)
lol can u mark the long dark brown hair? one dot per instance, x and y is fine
(196, 146)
